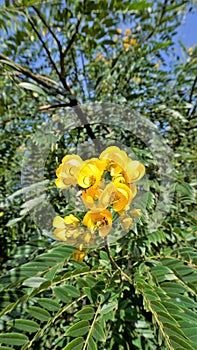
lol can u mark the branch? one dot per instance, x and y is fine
(44, 46)
(63, 76)
(77, 75)
(158, 22)
(38, 78)
(49, 28)
(58, 105)
(73, 36)
(84, 121)
(84, 73)
(73, 102)
(192, 89)
(114, 263)
(191, 112)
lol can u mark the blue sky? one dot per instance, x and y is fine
(187, 32)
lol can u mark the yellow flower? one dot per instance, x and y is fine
(156, 65)
(21, 149)
(101, 221)
(127, 31)
(1, 213)
(90, 196)
(126, 46)
(99, 57)
(120, 164)
(133, 42)
(98, 199)
(79, 255)
(126, 39)
(67, 230)
(115, 156)
(68, 171)
(136, 213)
(126, 222)
(133, 170)
(119, 30)
(90, 173)
(71, 220)
(123, 196)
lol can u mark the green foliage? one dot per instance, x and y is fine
(139, 292)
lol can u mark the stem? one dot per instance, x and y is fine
(115, 264)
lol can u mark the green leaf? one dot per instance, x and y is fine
(73, 291)
(32, 87)
(87, 313)
(14, 221)
(9, 64)
(75, 344)
(48, 304)
(38, 313)
(98, 332)
(78, 329)
(5, 348)
(108, 307)
(91, 344)
(25, 325)
(35, 282)
(61, 294)
(180, 341)
(139, 5)
(87, 291)
(13, 338)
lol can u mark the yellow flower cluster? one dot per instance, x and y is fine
(127, 40)
(107, 187)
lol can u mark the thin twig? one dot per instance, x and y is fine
(77, 74)
(190, 112)
(73, 36)
(158, 22)
(48, 27)
(192, 89)
(44, 46)
(114, 264)
(36, 77)
(84, 73)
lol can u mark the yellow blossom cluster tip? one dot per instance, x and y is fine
(107, 188)
(127, 41)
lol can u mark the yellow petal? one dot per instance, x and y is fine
(90, 173)
(58, 222)
(136, 213)
(100, 220)
(134, 170)
(127, 31)
(115, 154)
(60, 234)
(126, 39)
(133, 42)
(123, 196)
(107, 196)
(126, 222)
(71, 220)
(61, 183)
(90, 196)
(133, 189)
(79, 255)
